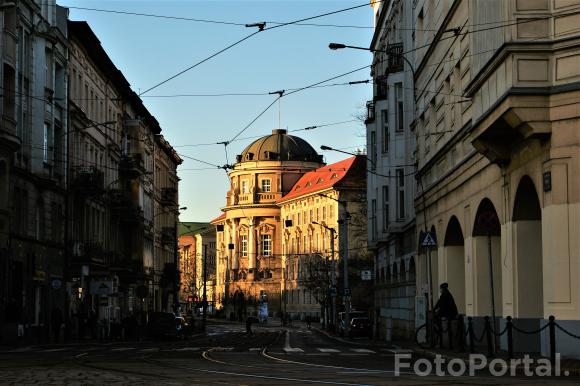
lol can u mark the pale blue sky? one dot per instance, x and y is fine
(148, 50)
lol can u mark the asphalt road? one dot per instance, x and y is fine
(226, 355)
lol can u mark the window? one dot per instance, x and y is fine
(244, 241)
(400, 123)
(385, 142)
(45, 142)
(385, 207)
(245, 188)
(266, 243)
(373, 150)
(374, 219)
(401, 194)
(324, 213)
(266, 186)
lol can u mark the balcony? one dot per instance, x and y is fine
(168, 235)
(268, 197)
(247, 198)
(8, 133)
(87, 179)
(132, 165)
(123, 206)
(9, 46)
(168, 196)
(370, 112)
(395, 52)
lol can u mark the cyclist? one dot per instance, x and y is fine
(445, 306)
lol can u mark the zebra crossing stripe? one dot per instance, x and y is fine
(363, 351)
(123, 349)
(327, 349)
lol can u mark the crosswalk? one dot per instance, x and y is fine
(332, 350)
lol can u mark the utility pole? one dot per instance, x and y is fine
(204, 302)
(345, 266)
(333, 278)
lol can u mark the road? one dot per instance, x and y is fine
(226, 355)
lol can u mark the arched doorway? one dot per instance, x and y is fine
(435, 271)
(527, 232)
(454, 263)
(486, 244)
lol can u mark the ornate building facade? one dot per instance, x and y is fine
(249, 245)
(316, 213)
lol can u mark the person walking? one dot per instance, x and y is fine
(249, 321)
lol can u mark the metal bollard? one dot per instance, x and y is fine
(461, 333)
(450, 333)
(471, 337)
(552, 327)
(510, 338)
(488, 333)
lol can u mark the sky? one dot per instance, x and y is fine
(149, 50)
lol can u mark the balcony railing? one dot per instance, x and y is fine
(395, 52)
(247, 198)
(370, 112)
(168, 196)
(87, 178)
(132, 164)
(167, 235)
(268, 196)
(9, 46)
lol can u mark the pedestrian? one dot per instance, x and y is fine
(56, 321)
(249, 321)
(308, 321)
(445, 306)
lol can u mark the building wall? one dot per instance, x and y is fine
(501, 181)
(32, 171)
(391, 187)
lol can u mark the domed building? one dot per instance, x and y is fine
(249, 250)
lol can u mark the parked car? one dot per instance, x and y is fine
(343, 325)
(359, 327)
(167, 325)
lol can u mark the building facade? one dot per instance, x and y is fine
(76, 171)
(32, 166)
(391, 187)
(325, 207)
(194, 238)
(250, 244)
(496, 122)
(162, 244)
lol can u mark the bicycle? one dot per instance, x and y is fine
(426, 337)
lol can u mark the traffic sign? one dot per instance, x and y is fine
(347, 292)
(366, 275)
(333, 291)
(428, 240)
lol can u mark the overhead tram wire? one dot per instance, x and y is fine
(261, 27)
(501, 23)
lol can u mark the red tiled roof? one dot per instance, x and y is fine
(218, 219)
(324, 177)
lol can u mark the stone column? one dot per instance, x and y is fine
(252, 243)
(234, 252)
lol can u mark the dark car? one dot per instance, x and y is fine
(343, 325)
(359, 327)
(166, 325)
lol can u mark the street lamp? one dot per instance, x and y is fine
(333, 271)
(340, 46)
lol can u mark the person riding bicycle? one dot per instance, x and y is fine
(445, 306)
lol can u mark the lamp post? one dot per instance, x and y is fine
(332, 272)
(340, 46)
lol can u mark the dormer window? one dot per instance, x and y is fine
(333, 176)
(320, 180)
(297, 187)
(308, 184)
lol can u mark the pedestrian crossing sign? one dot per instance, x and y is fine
(428, 240)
